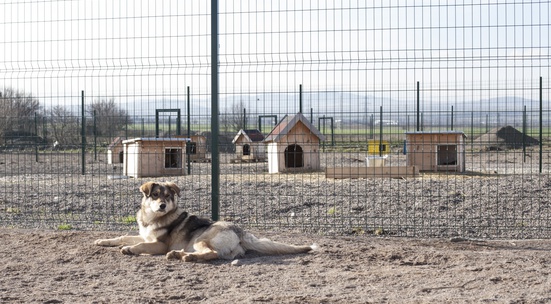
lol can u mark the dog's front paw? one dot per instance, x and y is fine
(127, 250)
(174, 255)
(104, 243)
(189, 257)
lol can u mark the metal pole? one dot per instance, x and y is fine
(83, 134)
(36, 137)
(524, 134)
(169, 127)
(381, 131)
(215, 127)
(332, 132)
(418, 108)
(300, 98)
(472, 129)
(156, 124)
(324, 130)
(541, 124)
(452, 120)
(95, 138)
(178, 123)
(188, 129)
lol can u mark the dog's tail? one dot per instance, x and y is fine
(266, 246)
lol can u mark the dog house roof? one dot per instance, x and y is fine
(287, 124)
(155, 139)
(250, 135)
(437, 132)
(114, 143)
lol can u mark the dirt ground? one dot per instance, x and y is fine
(65, 267)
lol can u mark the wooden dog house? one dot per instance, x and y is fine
(249, 145)
(436, 151)
(151, 157)
(293, 145)
(197, 149)
(115, 154)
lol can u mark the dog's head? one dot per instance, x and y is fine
(159, 197)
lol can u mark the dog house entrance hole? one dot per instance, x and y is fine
(191, 148)
(121, 157)
(173, 158)
(293, 156)
(447, 155)
(246, 149)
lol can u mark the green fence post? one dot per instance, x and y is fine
(541, 125)
(215, 127)
(188, 129)
(418, 108)
(36, 137)
(95, 138)
(83, 135)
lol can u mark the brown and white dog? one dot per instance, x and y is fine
(167, 229)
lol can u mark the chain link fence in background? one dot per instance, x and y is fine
(424, 120)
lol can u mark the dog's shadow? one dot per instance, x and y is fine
(253, 258)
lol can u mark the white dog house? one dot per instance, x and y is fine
(115, 153)
(249, 145)
(150, 157)
(436, 151)
(293, 145)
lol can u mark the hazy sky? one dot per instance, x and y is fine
(138, 48)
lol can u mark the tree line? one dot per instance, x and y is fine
(23, 120)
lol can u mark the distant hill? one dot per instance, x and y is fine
(346, 107)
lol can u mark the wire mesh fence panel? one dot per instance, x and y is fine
(387, 118)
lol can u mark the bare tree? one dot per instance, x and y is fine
(64, 126)
(111, 120)
(17, 112)
(234, 120)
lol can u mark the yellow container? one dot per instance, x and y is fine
(373, 147)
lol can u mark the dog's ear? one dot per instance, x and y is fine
(173, 188)
(146, 188)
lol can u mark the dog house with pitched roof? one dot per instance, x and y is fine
(436, 151)
(115, 154)
(249, 145)
(293, 145)
(197, 149)
(151, 157)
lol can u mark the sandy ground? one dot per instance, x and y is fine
(46, 266)
(65, 267)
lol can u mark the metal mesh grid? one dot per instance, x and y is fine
(80, 80)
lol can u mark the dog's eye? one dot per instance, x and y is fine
(155, 195)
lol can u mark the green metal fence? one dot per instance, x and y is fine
(436, 117)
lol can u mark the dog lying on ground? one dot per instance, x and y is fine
(167, 229)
